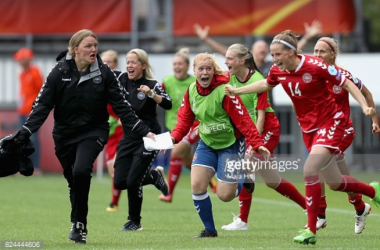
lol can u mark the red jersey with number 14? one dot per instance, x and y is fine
(306, 87)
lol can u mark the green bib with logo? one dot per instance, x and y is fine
(215, 128)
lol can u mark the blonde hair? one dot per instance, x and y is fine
(290, 37)
(112, 54)
(184, 53)
(77, 38)
(143, 58)
(333, 45)
(243, 53)
(208, 57)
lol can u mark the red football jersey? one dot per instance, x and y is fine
(306, 87)
(341, 95)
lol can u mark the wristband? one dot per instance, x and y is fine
(153, 94)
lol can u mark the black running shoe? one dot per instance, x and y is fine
(131, 226)
(161, 183)
(78, 232)
(206, 233)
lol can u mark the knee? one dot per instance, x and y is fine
(226, 197)
(198, 187)
(271, 185)
(334, 186)
(82, 173)
(119, 184)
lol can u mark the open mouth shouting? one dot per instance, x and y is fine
(205, 80)
(131, 73)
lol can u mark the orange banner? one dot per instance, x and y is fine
(64, 16)
(262, 17)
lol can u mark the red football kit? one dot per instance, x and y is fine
(320, 118)
(341, 97)
(113, 140)
(271, 130)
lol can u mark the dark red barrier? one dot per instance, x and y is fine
(64, 16)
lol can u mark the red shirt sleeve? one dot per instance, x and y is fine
(332, 74)
(185, 118)
(358, 83)
(272, 80)
(242, 121)
(111, 112)
(262, 102)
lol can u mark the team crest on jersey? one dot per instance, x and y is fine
(307, 77)
(332, 70)
(140, 96)
(97, 79)
(337, 89)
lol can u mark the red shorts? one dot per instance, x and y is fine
(330, 135)
(348, 138)
(193, 136)
(271, 139)
(111, 146)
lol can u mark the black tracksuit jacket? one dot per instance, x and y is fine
(80, 103)
(144, 106)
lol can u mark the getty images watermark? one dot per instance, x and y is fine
(247, 165)
(292, 165)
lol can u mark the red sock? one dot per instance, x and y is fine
(245, 200)
(175, 170)
(115, 195)
(288, 190)
(350, 184)
(357, 202)
(313, 194)
(322, 206)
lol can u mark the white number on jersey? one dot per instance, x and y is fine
(296, 90)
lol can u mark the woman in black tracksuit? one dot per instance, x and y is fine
(133, 161)
(78, 89)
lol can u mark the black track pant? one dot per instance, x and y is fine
(77, 161)
(132, 171)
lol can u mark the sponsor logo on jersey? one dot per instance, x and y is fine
(213, 128)
(307, 78)
(337, 89)
(97, 79)
(141, 96)
(282, 78)
(66, 79)
(332, 70)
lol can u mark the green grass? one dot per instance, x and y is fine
(38, 208)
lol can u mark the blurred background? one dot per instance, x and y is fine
(162, 27)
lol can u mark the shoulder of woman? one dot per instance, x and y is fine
(151, 83)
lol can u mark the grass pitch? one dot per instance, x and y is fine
(37, 208)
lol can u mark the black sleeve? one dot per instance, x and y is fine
(166, 100)
(122, 108)
(44, 102)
